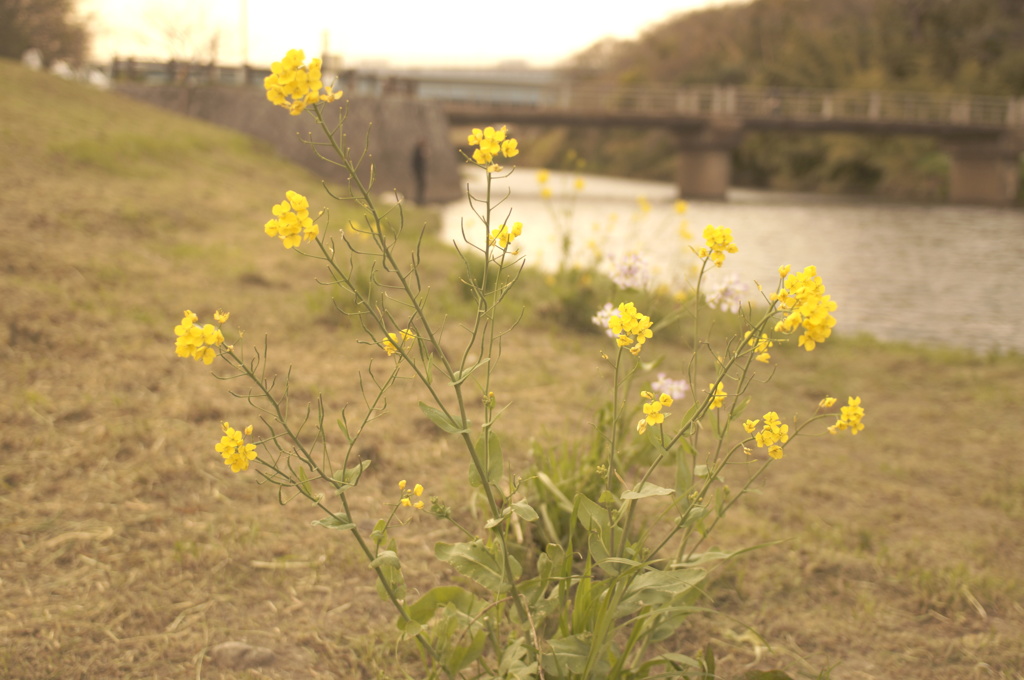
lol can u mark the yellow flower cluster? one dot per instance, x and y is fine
(652, 410)
(772, 434)
(407, 495)
(719, 395)
(234, 450)
(804, 294)
(491, 143)
(631, 328)
(504, 235)
(719, 240)
(761, 346)
(294, 85)
(198, 341)
(291, 222)
(402, 338)
(849, 418)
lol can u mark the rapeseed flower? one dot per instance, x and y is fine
(291, 222)
(234, 450)
(408, 495)
(804, 294)
(653, 414)
(504, 235)
(631, 328)
(294, 85)
(719, 242)
(393, 341)
(491, 143)
(198, 341)
(849, 418)
(718, 395)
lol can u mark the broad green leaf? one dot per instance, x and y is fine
(572, 654)
(338, 521)
(386, 558)
(422, 610)
(591, 515)
(462, 655)
(490, 459)
(478, 563)
(513, 666)
(441, 420)
(495, 521)
(350, 476)
(646, 490)
(567, 655)
(525, 511)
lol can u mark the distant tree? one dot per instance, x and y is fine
(50, 26)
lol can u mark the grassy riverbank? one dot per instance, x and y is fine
(127, 549)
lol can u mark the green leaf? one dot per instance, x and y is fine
(441, 420)
(459, 377)
(495, 521)
(525, 511)
(490, 459)
(646, 490)
(304, 482)
(422, 610)
(567, 654)
(335, 522)
(350, 476)
(765, 675)
(386, 558)
(591, 515)
(571, 655)
(478, 563)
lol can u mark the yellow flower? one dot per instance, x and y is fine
(850, 417)
(490, 143)
(291, 222)
(402, 338)
(407, 494)
(774, 432)
(629, 327)
(504, 235)
(680, 206)
(543, 175)
(197, 341)
(827, 402)
(784, 271)
(750, 426)
(804, 294)
(719, 240)
(718, 395)
(294, 85)
(233, 448)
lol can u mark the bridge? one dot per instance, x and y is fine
(984, 136)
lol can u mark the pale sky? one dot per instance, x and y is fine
(403, 32)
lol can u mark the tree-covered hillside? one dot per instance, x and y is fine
(968, 46)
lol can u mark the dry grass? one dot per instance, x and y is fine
(127, 549)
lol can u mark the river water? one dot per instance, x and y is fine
(926, 274)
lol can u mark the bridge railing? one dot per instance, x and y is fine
(793, 104)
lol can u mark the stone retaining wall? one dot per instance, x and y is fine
(396, 126)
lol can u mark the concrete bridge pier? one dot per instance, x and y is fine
(985, 171)
(704, 159)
